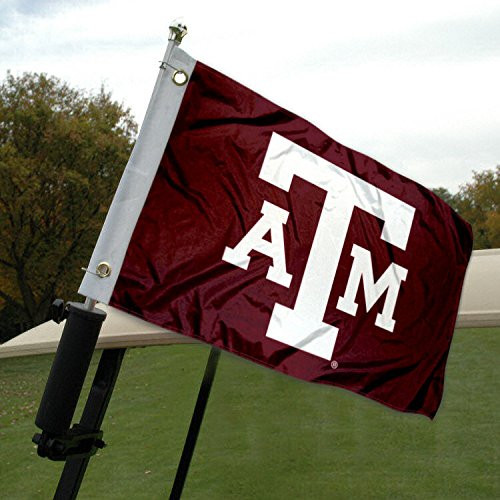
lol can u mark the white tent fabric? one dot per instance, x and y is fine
(479, 307)
(480, 301)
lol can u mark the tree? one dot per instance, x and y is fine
(62, 152)
(478, 202)
(445, 195)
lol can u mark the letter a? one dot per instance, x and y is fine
(272, 220)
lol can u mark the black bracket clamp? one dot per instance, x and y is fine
(78, 442)
(59, 311)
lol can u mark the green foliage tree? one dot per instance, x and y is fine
(478, 202)
(62, 152)
(446, 196)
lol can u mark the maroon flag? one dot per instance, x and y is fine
(263, 236)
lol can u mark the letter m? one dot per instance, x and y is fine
(390, 281)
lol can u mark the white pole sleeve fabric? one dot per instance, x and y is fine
(138, 176)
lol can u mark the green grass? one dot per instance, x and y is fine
(265, 435)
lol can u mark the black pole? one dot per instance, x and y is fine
(91, 421)
(69, 369)
(194, 427)
(62, 392)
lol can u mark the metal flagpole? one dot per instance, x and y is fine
(77, 444)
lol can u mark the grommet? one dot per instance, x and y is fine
(180, 77)
(103, 270)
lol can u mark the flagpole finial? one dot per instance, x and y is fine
(178, 31)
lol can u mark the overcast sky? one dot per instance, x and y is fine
(416, 85)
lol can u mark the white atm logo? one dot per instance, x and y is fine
(303, 327)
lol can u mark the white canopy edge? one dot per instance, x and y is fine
(479, 307)
(118, 330)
